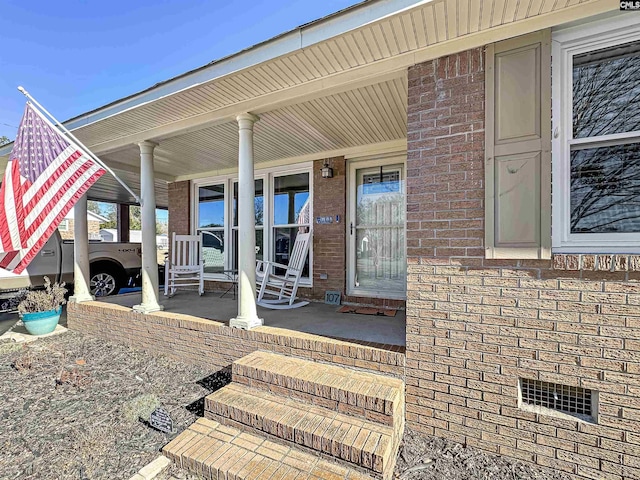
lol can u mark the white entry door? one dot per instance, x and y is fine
(377, 258)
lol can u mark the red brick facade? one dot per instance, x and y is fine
(180, 207)
(329, 247)
(475, 326)
(215, 345)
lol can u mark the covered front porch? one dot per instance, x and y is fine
(316, 318)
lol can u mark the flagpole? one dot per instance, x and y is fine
(80, 144)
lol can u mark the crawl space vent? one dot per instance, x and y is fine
(574, 401)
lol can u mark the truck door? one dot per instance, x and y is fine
(46, 262)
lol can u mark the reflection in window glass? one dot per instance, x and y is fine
(259, 246)
(292, 205)
(291, 199)
(211, 206)
(259, 203)
(380, 229)
(285, 238)
(213, 251)
(605, 189)
(606, 91)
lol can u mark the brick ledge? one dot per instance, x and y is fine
(596, 262)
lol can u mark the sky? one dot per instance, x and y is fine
(76, 55)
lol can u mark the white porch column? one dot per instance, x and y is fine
(150, 287)
(247, 315)
(81, 278)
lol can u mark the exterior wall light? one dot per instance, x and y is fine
(327, 171)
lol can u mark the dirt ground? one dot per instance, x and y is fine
(71, 404)
(429, 458)
(72, 407)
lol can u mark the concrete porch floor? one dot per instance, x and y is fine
(316, 318)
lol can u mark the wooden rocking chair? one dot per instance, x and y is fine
(186, 266)
(283, 287)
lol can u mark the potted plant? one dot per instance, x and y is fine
(40, 310)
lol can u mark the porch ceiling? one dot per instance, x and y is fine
(372, 114)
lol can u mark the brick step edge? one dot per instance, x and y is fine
(363, 443)
(216, 451)
(366, 395)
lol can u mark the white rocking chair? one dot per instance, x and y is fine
(186, 266)
(283, 287)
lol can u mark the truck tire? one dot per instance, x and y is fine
(105, 279)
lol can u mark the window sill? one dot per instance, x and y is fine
(597, 262)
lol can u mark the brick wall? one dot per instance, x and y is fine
(215, 345)
(329, 252)
(179, 207)
(92, 226)
(474, 326)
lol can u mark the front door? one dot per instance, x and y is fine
(377, 259)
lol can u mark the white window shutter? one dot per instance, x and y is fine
(518, 148)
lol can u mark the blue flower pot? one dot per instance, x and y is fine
(40, 323)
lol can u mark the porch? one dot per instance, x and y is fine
(315, 318)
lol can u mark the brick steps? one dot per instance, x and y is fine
(216, 451)
(358, 441)
(352, 421)
(370, 396)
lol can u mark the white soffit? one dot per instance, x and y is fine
(365, 41)
(375, 114)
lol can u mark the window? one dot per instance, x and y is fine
(64, 225)
(596, 147)
(211, 215)
(283, 208)
(259, 206)
(291, 210)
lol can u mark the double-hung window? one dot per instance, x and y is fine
(596, 138)
(211, 222)
(283, 209)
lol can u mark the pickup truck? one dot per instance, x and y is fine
(112, 265)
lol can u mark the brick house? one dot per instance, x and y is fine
(494, 199)
(94, 220)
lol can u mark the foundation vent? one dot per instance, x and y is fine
(574, 401)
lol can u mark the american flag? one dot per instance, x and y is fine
(45, 177)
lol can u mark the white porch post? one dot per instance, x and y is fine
(247, 315)
(81, 287)
(150, 287)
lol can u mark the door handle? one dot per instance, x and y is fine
(48, 253)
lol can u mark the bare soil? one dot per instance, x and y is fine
(71, 407)
(425, 457)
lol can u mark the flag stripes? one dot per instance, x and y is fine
(45, 177)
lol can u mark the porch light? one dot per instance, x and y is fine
(327, 171)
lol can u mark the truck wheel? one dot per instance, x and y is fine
(105, 280)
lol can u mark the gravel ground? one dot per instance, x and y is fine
(70, 407)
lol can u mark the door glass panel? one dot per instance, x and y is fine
(380, 230)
